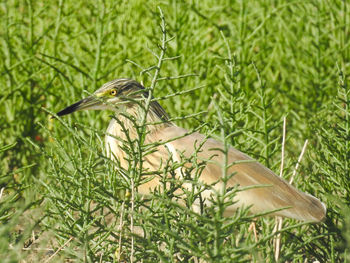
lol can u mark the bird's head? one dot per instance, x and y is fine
(119, 91)
(114, 95)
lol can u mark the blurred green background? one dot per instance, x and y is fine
(259, 61)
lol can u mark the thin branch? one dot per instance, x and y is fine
(1, 192)
(132, 219)
(58, 250)
(140, 67)
(177, 77)
(298, 163)
(279, 220)
(283, 146)
(162, 48)
(120, 232)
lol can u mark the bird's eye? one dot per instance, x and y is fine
(113, 92)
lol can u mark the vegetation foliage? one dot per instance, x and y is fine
(230, 69)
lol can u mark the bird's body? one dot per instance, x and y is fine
(271, 192)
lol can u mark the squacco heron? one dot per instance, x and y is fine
(123, 96)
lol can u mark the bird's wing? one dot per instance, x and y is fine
(276, 193)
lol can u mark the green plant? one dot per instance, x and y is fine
(53, 53)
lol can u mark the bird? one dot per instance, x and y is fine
(261, 189)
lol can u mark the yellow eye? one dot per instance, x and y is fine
(113, 92)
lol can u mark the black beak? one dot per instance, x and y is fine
(83, 104)
(70, 109)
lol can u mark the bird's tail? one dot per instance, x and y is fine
(305, 207)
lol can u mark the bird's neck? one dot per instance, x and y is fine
(126, 125)
(133, 118)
